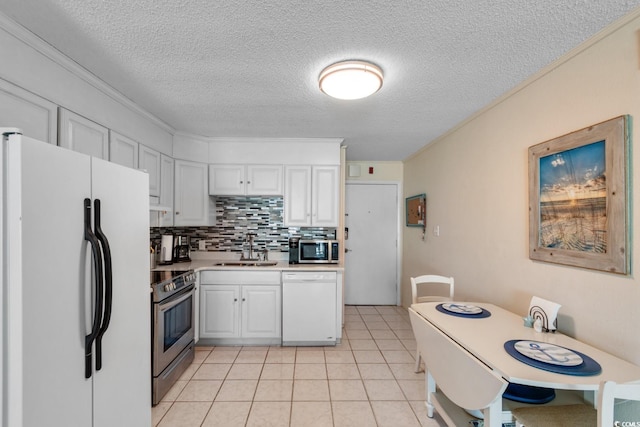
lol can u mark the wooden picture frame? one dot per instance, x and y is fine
(579, 195)
(416, 211)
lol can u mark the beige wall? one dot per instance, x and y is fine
(382, 171)
(475, 178)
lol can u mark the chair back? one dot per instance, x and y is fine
(420, 283)
(609, 391)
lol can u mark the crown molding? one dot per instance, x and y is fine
(238, 139)
(43, 47)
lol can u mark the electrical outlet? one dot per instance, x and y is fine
(436, 230)
(202, 245)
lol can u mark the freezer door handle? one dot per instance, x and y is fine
(97, 265)
(108, 281)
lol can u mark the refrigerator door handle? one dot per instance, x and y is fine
(97, 265)
(108, 282)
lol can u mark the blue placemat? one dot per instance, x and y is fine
(483, 314)
(586, 368)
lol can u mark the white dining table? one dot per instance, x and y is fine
(484, 338)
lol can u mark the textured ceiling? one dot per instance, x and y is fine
(249, 68)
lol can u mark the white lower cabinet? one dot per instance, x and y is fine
(240, 307)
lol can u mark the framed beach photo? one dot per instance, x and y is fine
(579, 198)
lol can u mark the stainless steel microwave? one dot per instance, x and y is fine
(318, 252)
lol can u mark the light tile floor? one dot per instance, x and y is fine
(367, 380)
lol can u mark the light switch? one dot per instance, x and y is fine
(202, 245)
(436, 230)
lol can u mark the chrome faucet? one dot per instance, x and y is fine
(249, 238)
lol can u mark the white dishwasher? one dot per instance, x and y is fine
(309, 304)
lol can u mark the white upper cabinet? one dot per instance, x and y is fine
(232, 179)
(150, 162)
(191, 203)
(34, 116)
(297, 196)
(311, 196)
(264, 180)
(166, 189)
(226, 179)
(325, 196)
(123, 150)
(83, 135)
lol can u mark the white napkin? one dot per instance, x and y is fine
(546, 311)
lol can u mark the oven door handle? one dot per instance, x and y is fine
(97, 266)
(108, 282)
(176, 299)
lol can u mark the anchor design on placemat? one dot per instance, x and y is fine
(536, 346)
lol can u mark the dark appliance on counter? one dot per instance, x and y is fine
(172, 328)
(318, 252)
(182, 250)
(293, 249)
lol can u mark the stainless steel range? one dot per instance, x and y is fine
(172, 331)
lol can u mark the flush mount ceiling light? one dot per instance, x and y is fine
(351, 79)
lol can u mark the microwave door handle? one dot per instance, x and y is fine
(108, 282)
(97, 266)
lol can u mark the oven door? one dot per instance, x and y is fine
(173, 328)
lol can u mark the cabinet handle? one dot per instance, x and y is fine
(177, 213)
(235, 300)
(243, 299)
(248, 182)
(241, 182)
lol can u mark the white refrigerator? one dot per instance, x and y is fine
(75, 339)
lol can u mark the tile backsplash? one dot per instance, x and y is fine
(235, 216)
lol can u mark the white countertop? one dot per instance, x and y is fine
(206, 261)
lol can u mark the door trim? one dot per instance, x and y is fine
(399, 208)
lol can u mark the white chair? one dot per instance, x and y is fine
(430, 282)
(583, 415)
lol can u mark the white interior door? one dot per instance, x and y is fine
(371, 259)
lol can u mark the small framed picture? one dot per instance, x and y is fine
(416, 210)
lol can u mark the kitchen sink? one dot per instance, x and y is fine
(246, 264)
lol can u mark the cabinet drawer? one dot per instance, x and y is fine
(238, 277)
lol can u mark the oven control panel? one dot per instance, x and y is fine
(172, 283)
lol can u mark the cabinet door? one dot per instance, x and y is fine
(191, 203)
(166, 189)
(226, 179)
(264, 180)
(123, 150)
(35, 116)
(219, 311)
(325, 196)
(150, 162)
(297, 196)
(261, 311)
(83, 135)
